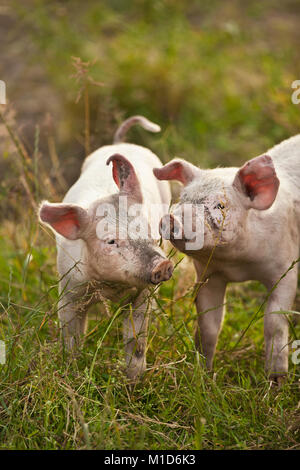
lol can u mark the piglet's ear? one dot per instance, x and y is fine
(179, 170)
(257, 180)
(69, 220)
(125, 176)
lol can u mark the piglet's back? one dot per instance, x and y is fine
(286, 158)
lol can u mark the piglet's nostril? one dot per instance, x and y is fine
(162, 271)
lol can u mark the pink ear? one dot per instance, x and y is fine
(125, 177)
(179, 170)
(68, 220)
(258, 181)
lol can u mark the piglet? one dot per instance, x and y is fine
(107, 242)
(240, 224)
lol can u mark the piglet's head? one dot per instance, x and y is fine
(218, 205)
(111, 252)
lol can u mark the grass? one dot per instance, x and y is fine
(51, 402)
(217, 78)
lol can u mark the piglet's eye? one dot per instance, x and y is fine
(112, 242)
(220, 206)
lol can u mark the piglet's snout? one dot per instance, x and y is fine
(170, 228)
(162, 271)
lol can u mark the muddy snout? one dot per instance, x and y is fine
(162, 271)
(170, 228)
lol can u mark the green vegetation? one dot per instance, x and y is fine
(217, 77)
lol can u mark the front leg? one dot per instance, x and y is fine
(210, 299)
(276, 326)
(135, 330)
(72, 314)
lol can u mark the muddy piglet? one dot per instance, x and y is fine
(246, 222)
(107, 241)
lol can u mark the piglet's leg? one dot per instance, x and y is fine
(72, 315)
(135, 328)
(210, 299)
(276, 326)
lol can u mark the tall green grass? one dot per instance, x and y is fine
(49, 401)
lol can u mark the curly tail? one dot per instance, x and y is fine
(126, 125)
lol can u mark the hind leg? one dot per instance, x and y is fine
(276, 327)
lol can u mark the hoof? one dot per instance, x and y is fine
(278, 380)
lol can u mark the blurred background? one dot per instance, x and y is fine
(215, 75)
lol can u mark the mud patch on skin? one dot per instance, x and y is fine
(123, 173)
(211, 192)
